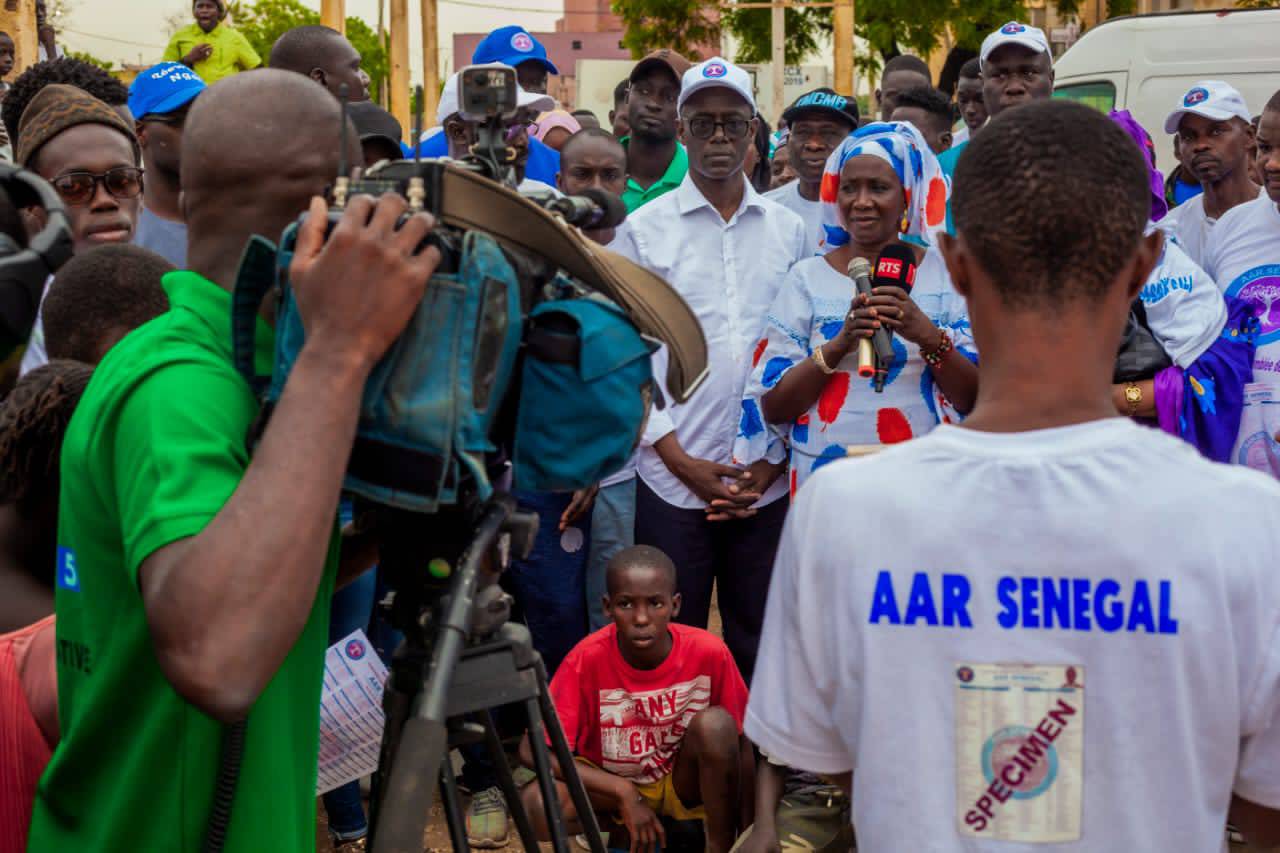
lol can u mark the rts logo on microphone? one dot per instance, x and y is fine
(892, 268)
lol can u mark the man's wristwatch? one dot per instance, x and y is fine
(1132, 398)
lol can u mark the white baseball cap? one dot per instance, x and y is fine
(716, 71)
(449, 97)
(1024, 35)
(1211, 99)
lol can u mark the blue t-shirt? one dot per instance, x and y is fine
(543, 163)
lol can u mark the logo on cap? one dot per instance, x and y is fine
(714, 70)
(355, 650)
(522, 42)
(1013, 28)
(1197, 95)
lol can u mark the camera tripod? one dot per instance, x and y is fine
(458, 661)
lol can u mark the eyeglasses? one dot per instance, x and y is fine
(704, 127)
(79, 188)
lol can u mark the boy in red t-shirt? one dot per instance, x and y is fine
(653, 710)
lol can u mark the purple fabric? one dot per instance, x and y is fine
(1212, 395)
(1169, 384)
(1159, 207)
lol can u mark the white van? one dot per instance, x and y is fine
(1146, 63)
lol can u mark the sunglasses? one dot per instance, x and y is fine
(704, 127)
(79, 188)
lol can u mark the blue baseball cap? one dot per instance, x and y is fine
(511, 46)
(163, 88)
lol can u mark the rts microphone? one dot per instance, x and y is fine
(895, 267)
(593, 208)
(874, 355)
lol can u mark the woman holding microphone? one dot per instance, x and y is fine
(882, 182)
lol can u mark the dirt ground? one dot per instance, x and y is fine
(437, 837)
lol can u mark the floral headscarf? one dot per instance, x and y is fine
(925, 185)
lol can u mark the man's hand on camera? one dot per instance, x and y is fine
(357, 290)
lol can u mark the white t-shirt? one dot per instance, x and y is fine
(35, 355)
(927, 631)
(1243, 256)
(1185, 309)
(1190, 226)
(789, 197)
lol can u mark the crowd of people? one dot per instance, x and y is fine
(1064, 474)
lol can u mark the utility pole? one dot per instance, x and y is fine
(842, 41)
(430, 61)
(382, 40)
(779, 44)
(400, 61)
(333, 14)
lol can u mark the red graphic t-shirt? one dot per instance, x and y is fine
(630, 721)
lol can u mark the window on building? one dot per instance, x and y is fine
(577, 44)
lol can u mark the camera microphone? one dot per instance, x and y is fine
(593, 208)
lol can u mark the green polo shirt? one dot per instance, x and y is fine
(231, 51)
(635, 196)
(153, 452)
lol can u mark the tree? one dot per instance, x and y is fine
(85, 56)
(682, 25)
(753, 28)
(264, 21)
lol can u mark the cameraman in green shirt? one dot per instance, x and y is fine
(193, 581)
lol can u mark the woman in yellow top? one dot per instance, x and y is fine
(209, 48)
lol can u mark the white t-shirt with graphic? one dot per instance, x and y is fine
(789, 197)
(1243, 256)
(1190, 226)
(1069, 635)
(1185, 309)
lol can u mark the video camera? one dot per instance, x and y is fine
(27, 262)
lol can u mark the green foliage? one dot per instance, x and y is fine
(1116, 8)
(264, 21)
(681, 25)
(84, 56)
(1257, 4)
(753, 29)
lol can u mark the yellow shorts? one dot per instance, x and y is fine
(661, 796)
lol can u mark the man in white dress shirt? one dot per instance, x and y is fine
(726, 249)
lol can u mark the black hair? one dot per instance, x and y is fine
(102, 292)
(584, 112)
(296, 49)
(763, 174)
(591, 133)
(620, 92)
(1052, 199)
(72, 72)
(33, 421)
(1273, 103)
(971, 70)
(907, 62)
(935, 104)
(638, 556)
(6, 35)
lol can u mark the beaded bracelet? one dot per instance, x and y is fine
(934, 357)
